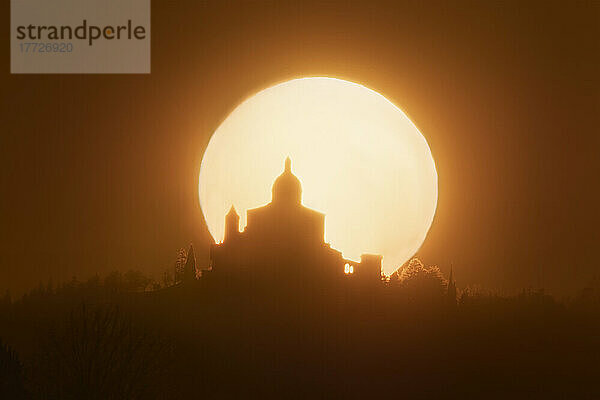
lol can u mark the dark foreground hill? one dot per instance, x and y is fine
(96, 341)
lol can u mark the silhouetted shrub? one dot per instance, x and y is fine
(419, 282)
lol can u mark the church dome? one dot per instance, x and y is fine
(287, 188)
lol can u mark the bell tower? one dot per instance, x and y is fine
(232, 224)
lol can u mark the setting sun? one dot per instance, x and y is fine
(359, 158)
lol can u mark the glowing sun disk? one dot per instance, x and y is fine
(360, 159)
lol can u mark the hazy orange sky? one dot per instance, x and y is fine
(99, 172)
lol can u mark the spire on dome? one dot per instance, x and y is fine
(287, 188)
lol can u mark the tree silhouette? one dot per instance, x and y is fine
(418, 281)
(97, 353)
(11, 374)
(189, 269)
(179, 266)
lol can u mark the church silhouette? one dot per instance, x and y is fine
(284, 241)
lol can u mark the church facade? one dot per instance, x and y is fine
(284, 240)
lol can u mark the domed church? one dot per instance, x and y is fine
(284, 240)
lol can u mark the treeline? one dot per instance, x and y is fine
(122, 336)
(113, 283)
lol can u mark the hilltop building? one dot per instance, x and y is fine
(284, 240)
